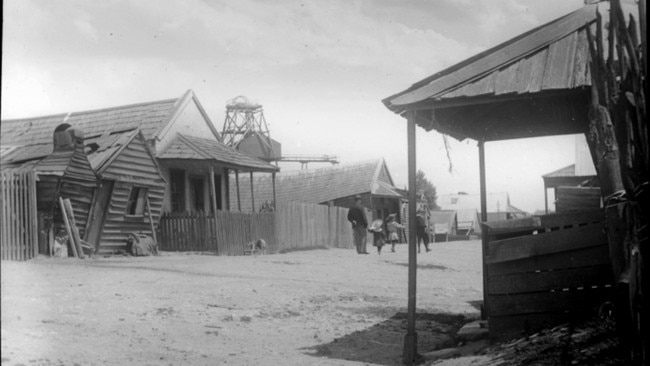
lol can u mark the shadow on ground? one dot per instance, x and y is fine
(382, 343)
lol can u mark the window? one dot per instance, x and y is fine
(135, 205)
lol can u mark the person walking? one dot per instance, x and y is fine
(357, 217)
(421, 232)
(392, 226)
(378, 237)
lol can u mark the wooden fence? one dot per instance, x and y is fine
(301, 225)
(18, 216)
(293, 225)
(545, 270)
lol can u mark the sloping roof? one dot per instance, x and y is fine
(196, 148)
(549, 57)
(496, 202)
(540, 79)
(318, 185)
(150, 118)
(17, 154)
(567, 171)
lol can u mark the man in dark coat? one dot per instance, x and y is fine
(421, 232)
(357, 217)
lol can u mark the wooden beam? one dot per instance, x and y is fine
(252, 193)
(67, 227)
(213, 190)
(484, 236)
(238, 195)
(151, 225)
(275, 199)
(410, 353)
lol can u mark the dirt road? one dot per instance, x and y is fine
(317, 307)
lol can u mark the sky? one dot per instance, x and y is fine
(319, 68)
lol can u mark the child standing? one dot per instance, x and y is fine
(377, 234)
(392, 226)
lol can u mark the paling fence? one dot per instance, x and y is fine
(546, 270)
(18, 216)
(293, 225)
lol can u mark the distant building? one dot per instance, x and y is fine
(336, 186)
(574, 186)
(468, 209)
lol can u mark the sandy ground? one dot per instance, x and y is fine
(317, 307)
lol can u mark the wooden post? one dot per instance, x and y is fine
(67, 227)
(238, 196)
(410, 352)
(153, 229)
(252, 194)
(73, 226)
(213, 189)
(484, 236)
(275, 199)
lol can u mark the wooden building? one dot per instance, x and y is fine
(63, 172)
(130, 194)
(336, 186)
(165, 125)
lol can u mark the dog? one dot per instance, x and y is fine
(256, 247)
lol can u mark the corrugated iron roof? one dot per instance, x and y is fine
(551, 57)
(196, 148)
(318, 185)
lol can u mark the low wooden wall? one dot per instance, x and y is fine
(292, 226)
(542, 271)
(18, 216)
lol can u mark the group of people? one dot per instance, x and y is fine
(379, 228)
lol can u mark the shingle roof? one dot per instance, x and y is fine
(550, 57)
(149, 117)
(196, 148)
(318, 185)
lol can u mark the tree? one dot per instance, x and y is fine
(424, 186)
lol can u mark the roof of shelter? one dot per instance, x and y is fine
(551, 56)
(196, 148)
(321, 185)
(551, 60)
(150, 118)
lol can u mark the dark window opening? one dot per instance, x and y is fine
(135, 204)
(177, 183)
(197, 193)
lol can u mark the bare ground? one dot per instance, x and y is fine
(317, 307)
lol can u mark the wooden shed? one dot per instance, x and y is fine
(63, 171)
(131, 190)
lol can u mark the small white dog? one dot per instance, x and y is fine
(257, 246)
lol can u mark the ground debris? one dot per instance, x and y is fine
(590, 343)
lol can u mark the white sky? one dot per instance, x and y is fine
(319, 68)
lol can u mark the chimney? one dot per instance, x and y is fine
(67, 138)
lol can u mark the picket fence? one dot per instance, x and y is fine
(18, 216)
(293, 225)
